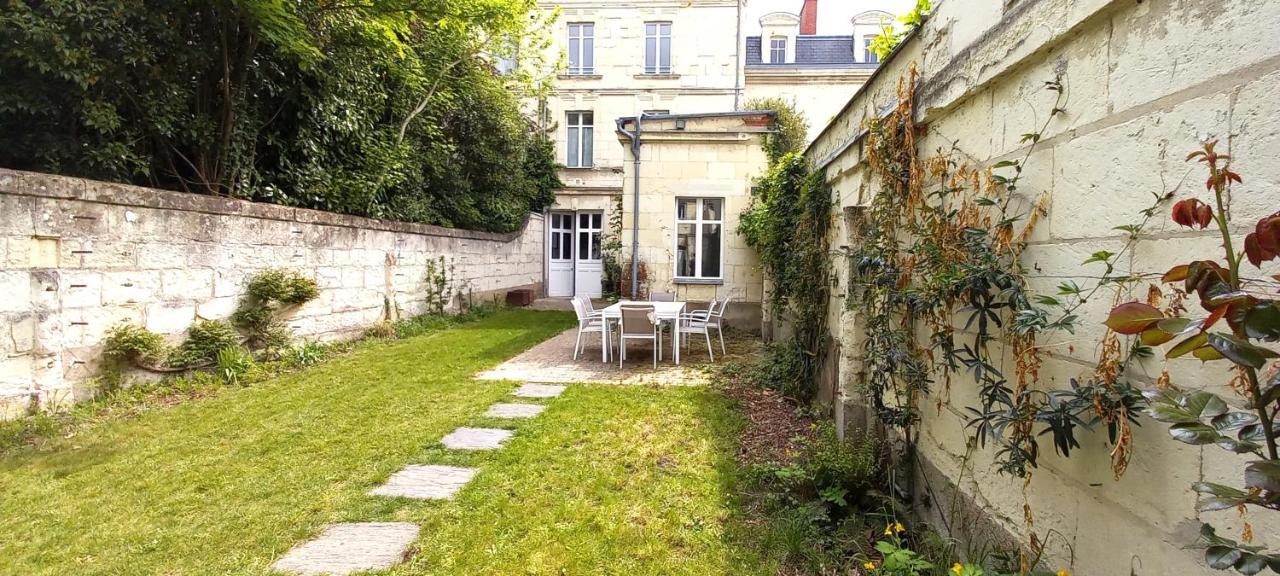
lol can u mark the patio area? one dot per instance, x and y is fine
(552, 362)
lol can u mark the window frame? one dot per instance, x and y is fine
(656, 68)
(698, 222)
(582, 34)
(581, 126)
(869, 57)
(773, 49)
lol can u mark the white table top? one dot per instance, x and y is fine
(664, 310)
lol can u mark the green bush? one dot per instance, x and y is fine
(283, 286)
(129, 343)
(204, 339)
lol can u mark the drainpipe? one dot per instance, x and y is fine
(737, 59)
(635, 204)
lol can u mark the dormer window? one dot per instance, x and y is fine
(778, 49)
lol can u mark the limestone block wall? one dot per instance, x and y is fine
(713, 157)
(1147, 82)
(81, 256)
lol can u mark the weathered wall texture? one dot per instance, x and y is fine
(80, 257)
(1148, 81)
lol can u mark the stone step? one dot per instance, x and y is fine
(539, 391)
(514, 410)
(426, 482)
(348, 548)
(476, 438)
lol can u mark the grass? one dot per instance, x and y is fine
(607, 480)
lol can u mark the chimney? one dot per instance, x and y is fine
(809, 18)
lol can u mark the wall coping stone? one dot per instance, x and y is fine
(36, 184)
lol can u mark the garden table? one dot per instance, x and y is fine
(663, 311)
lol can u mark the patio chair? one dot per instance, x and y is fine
(662, 297)
(713, 317)
(699, 322)
(639, 323)
(590, 321)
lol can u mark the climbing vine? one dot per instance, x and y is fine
(787, 225)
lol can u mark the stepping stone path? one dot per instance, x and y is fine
(476, 438)
(426, 482)
(348, 548)
(539, 391)
(357, 547)
(514, 410)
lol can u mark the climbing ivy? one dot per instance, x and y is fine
(787, 225)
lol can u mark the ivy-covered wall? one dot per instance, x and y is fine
(1091, 109)
(78, 257)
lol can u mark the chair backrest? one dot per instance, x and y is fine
(587, 305)
(637, 319)
(718, 307)
(662, 297)
(578, 308)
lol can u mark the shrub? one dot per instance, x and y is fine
(782, 368)
(204, 339)
(129, 343)
(283, 286)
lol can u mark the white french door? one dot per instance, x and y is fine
(560, 255)
(588, 267)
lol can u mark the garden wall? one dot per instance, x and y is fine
(1147, 82)
(81, 256)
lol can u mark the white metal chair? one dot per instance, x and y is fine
(699, 322)
(590, 321)
(662, 297)
(639, 323)
(713, 317)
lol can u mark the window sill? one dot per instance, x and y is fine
(707, 281)
(579, 167)
(579, 77)
(657, 76)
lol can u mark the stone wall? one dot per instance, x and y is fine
(1147, 82)
(80, 257)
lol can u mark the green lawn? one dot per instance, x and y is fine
(607, 480)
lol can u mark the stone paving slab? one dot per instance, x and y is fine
(514, 410)
(426, 482)
(347, 548)
(552, 361)
(476, 438)
(539, 391)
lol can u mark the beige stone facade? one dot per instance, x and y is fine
(696, 174)
(621, 58)
(81, 256)
(1147, 82)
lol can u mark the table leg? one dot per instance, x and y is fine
(675, 340)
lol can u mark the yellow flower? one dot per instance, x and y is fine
(899, 528)
(957, 568)
(1064, 572)
(869, 565)
(888, 530)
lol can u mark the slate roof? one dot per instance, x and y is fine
(810, 52)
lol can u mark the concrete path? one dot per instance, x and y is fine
(476, 438)
(348, 548)
(514, 410)
(552, 361)
(539, 391)
(426, 482)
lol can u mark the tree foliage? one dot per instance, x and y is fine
(380, 108)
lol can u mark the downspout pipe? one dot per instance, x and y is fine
(635, 201)
(737, 60)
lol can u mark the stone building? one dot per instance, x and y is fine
(676, 58)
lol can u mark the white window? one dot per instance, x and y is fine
(657, 48)
(580, 139)
(778, 50)
(699, 237)
(867, 55)
(582, 48)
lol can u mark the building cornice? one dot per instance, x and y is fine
(807, 76)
